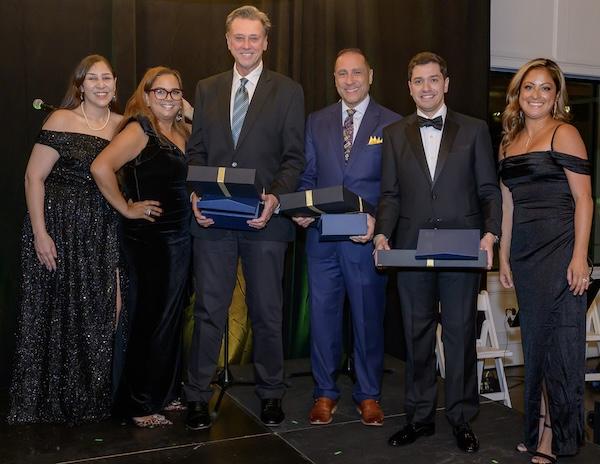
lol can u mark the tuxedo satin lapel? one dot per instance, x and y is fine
(367, 128)
(336, 135)
(413, 134)
(448, 136)
(224, 105)
(263, 87)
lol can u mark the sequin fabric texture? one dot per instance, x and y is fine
(65, 331)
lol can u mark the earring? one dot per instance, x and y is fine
(81, 96)
(179, 116)
(114, 98)
(554, 110)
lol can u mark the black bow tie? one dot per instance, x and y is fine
(436, 123)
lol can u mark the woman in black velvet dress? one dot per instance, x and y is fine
(150, 149)
(70, 289)
(548, 209)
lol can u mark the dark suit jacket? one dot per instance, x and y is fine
(464, 192)
(271, 140)
(325, 165)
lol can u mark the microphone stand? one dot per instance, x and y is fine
(224, 379)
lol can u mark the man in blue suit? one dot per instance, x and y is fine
(343, 147)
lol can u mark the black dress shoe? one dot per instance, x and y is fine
(197, 417)
(271, 413)
(410, 433)
(466, 440)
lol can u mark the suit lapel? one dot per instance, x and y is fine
(263, 88)
(367, 127)
(448, 136)
(224, 105)
(413, 134)
(336, 134)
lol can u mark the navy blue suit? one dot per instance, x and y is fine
(339, 268)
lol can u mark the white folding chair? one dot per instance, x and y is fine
(592, 333)
(487, 348)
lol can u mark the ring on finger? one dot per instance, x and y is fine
(148, 212)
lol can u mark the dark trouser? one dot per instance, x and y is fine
(158, 295)
(215, 271)
(420, 292)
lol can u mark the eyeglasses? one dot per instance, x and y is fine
(161, 94)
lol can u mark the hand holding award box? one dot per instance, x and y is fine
(341, 213)
(230, 197)
(438, 248)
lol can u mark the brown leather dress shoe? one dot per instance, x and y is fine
(322, 411)
(370, 412)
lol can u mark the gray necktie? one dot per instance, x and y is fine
(240, 107)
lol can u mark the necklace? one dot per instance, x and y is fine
(530, 137)
(87, 122)
(527, 143)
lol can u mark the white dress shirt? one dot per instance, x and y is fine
(431, 138)
(252, 77)
(358, 115)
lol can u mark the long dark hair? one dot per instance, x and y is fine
(72, 98)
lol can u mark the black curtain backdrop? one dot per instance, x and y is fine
(42, 40)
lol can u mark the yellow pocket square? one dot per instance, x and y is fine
(375, 140)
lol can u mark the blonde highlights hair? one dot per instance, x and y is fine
(513, 120)
(248, 12)
(137, 106)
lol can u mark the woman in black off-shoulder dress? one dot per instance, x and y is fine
(70, 281)
(150, 152)
(547, 208)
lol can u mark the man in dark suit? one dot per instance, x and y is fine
(343, 147)
(438, 172)
(248, 117)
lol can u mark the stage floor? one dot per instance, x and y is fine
(237, 435)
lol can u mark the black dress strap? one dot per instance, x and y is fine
(553, 135)
(145, 123)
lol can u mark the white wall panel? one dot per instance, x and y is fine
(567, 31)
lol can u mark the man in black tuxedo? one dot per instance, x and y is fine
(438, 172)
(247, 117)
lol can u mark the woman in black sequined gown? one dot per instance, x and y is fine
(150, 149)
(69, 259)
(547, 218)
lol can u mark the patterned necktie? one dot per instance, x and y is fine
(240, 107)
(348, 133)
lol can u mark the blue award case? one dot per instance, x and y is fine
(438, 248)
(342, 212)
(461, 244)
(229, 196)
(313, 203)
(334, 227)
